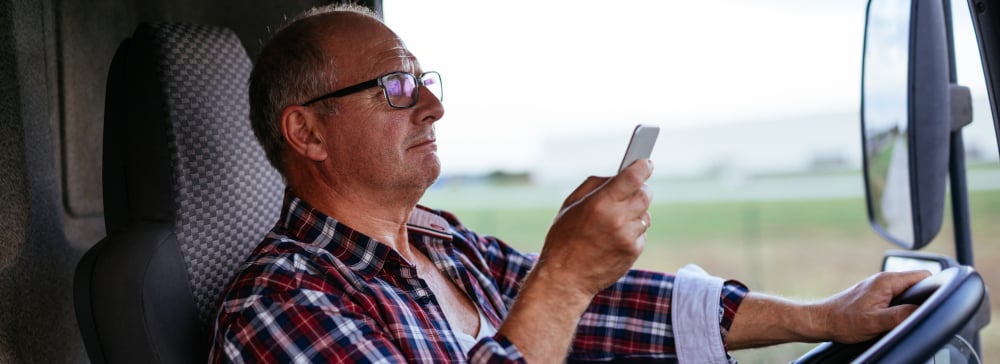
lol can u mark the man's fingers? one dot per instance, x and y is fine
(588, 186)
(622, 187)
(903, 280)
(645, 221)
(625, 184)
(893, 316)
(899, 313)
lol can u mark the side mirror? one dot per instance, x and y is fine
(906, 118)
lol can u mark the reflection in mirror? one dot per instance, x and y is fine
(885, 117)
(903, 264)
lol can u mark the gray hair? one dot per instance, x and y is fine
(290, 68)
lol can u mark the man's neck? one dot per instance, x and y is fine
(379, 215)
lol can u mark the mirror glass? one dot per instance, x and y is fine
(902, 264)
(885, 112)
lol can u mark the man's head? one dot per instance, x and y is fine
(356, 135)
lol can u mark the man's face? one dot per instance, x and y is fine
(371, 143)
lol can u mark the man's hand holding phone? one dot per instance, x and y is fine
(594, 241)
(600, 230)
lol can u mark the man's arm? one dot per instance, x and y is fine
(854, 315)
(593, 242)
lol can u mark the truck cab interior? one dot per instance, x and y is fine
(133, 185)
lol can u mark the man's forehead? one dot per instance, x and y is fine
(368, 46)
(393, 56)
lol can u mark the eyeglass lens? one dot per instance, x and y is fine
(432, 81)
(401, 88)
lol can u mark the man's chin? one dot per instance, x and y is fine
(429, 170)
(433, 173)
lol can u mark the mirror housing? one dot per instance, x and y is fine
(906, 122)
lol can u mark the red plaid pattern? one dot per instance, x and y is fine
(317, 291)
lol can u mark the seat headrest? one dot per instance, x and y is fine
(177, 134)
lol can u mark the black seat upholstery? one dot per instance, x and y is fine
(187, 191)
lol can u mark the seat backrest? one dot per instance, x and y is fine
(187, 191)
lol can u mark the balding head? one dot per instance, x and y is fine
(301, 61)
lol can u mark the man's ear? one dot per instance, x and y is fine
(303, 131)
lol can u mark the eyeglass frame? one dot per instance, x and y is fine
(353, 89)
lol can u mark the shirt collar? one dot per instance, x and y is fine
(362, 254)
(428, 222)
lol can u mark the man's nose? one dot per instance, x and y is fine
(429, 107)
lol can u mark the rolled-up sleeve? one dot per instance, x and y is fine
(703, 308)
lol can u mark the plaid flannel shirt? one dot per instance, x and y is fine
(317, 291)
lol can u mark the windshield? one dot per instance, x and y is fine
(758, 163)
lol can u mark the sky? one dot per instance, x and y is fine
(519, 78)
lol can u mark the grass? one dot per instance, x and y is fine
(805, 249)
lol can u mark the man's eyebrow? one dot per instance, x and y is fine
(409, 64)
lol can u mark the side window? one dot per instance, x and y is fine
(980, 137)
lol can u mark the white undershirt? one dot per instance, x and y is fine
(466, 341)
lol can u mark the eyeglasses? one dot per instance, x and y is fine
(400, 88)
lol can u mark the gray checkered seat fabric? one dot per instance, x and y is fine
(188, 193)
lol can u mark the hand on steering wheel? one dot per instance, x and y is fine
(948, 300)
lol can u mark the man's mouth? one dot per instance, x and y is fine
(429, 142)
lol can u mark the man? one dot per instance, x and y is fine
(355, 271)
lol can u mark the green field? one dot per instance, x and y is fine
(807, 248)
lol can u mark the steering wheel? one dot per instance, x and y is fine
(947, 300)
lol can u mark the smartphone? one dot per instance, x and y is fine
(641, 144)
